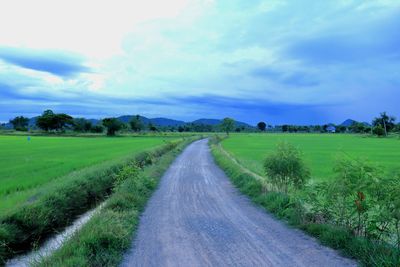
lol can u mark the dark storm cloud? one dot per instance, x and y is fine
(54, 62)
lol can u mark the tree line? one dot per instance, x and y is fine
(60, 122)
(381, 126)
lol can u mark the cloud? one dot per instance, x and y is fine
(288, 77)
(54, 62)
(303, 62)
(377, 39)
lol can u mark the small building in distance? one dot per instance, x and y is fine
(331, 128)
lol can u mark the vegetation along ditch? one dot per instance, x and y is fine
(30, 225)
(356, 212)
(104, 239)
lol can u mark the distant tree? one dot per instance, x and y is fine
(397, 129)
(46, 121)
(285, 128)
(261, 126)
(152, 127)
(20, 123)
(317, 128)
(341, 129)
(180, 129)
(357, 127)
(227, 125)
(112, 124)
(82, 125)
(136, 124)
(50, 121)
(387, 122)
(97, 129)
(378, 130)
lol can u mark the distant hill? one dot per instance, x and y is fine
(155, 121)
(171, 122)
(350, 122)
(207, 121)
(163, 122)
(216, 122)
(166, 122)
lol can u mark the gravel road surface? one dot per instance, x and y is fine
(197, 218)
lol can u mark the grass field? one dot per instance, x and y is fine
(320, 150)
(27, 165)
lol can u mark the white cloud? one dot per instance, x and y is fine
(94, 28)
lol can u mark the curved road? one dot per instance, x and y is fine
(197, 218)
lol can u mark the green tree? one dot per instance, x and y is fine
(385, 121)
(20, 123)
(50, 121)
(112, 124)
(136, 124)
(357, 127)
(97, 129)
(261, 126)
(152, 127)
(378, 130)
(285, 167)
(227, 125)
(341, 129)
(81, 125)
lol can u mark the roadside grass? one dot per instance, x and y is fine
(27, 166)
(290, 209)
(29, 224)
(103, 241)
(320, 150)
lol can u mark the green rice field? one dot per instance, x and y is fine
(26, 165)
(320, 150)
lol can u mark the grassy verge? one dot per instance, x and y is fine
(109, 233)
(30, 224)
(290, 209)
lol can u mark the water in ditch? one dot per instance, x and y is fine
(54, 243)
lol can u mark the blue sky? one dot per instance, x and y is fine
(300, 62)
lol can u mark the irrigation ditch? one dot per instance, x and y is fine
(37, 229)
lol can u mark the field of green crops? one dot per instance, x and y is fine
(320, 150)
(26, 165)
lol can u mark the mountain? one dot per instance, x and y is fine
(348, 122)
(166, 122)
(216, 122)
(207, 121)
(163, 122)
(155, 121)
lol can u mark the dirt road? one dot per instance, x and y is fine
(197, 218)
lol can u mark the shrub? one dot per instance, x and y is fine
(112, 124)
(285, 167)
(378, 130)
